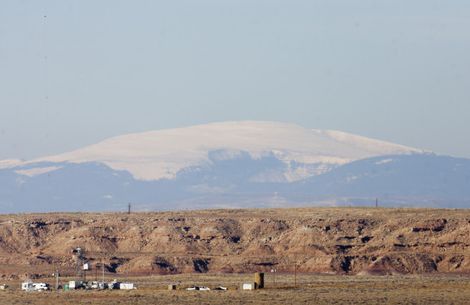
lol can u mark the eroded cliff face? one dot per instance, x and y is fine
(328, 240)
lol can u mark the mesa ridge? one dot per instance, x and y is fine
(318, 240)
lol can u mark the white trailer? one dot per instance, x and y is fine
(127, 286)
(27, 286)
(30, 286)
(40, 286)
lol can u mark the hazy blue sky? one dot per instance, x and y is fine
(75, 72)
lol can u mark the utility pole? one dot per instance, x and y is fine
(129, 208)
(57, 279)
(376, 202)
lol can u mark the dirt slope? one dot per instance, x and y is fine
(332, 240)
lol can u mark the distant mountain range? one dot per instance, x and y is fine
(234, 164)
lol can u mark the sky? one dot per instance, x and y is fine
(73, 73)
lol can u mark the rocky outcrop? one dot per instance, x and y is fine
(329, 240)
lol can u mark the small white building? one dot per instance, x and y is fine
(248, 286)
(75, 284)
(127, 286)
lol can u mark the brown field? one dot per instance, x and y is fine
(311, 289)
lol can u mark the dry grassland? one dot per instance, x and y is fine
(311, 289)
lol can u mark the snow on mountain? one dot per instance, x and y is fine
(9, 163)
(162, 154)
(234, 164)
(37, 170)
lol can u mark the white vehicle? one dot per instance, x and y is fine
(94, 285)
(98, 285)
(30, 286)
(203, 288)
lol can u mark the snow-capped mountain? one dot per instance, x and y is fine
(163, 154)
(234, 164)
